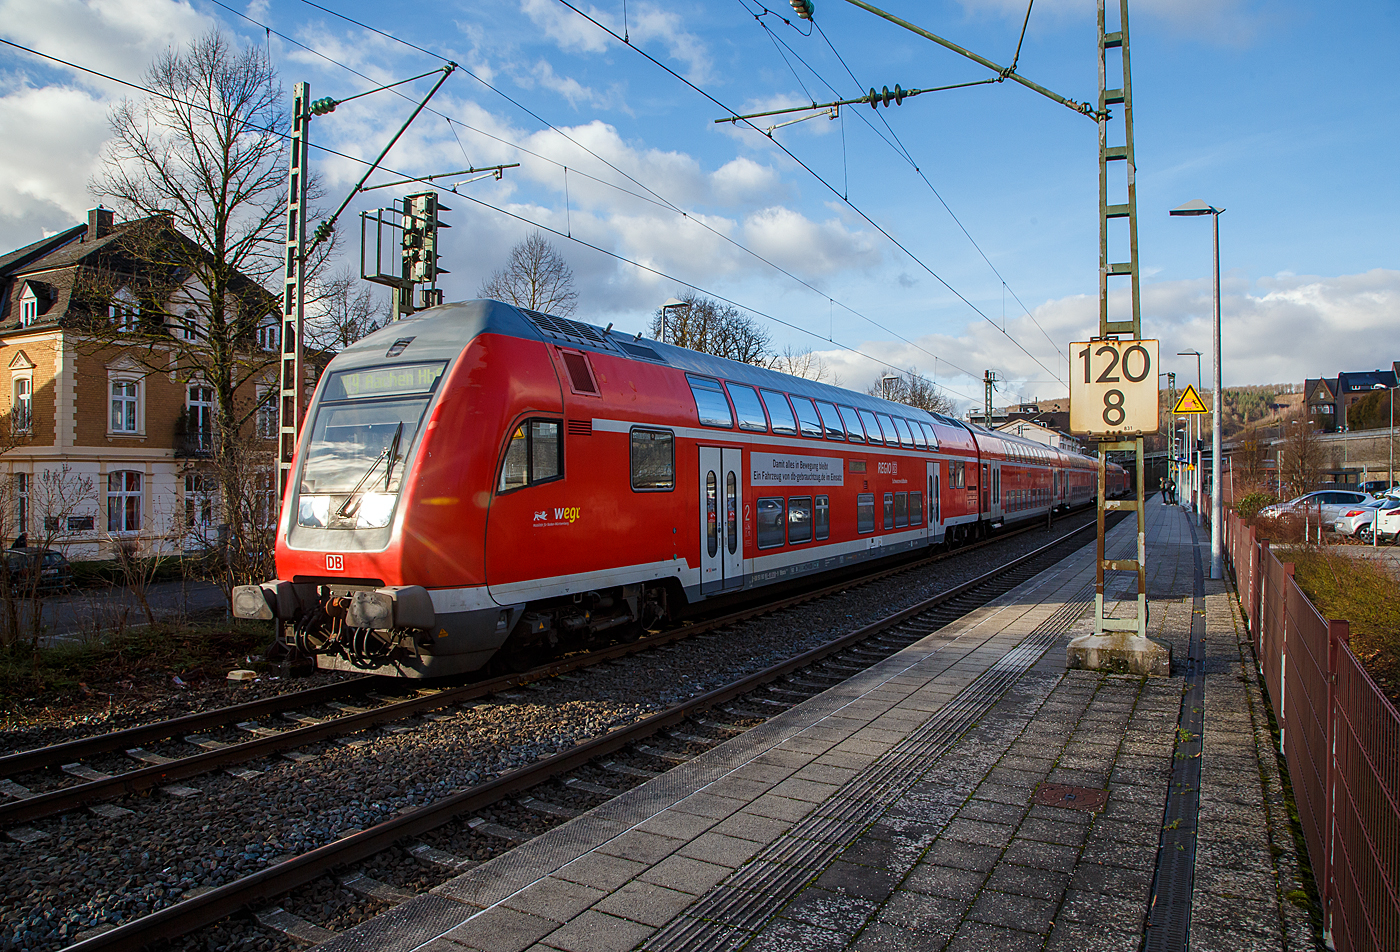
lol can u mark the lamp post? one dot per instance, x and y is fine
(666, 309)
(1197, 207)
(1195, 422)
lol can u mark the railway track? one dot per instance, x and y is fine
(786, 684)
(297, 729)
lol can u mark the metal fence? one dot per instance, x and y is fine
(1341, 736)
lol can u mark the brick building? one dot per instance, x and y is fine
(99, 446)
(1329, 399)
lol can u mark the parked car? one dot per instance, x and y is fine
(33, 568)
(1359, 520)
(1378, 487)
(1330, 501)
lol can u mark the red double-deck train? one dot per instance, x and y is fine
(481, 479)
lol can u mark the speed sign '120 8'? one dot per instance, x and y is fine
(1113, 387)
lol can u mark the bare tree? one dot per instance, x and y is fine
(345, 311)
(1250, 454)
(203, 162)
(1301, 456)
(711, 327)
(536, 277)
(803, 363)
(912, 389)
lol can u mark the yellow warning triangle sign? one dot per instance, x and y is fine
(1190, 402)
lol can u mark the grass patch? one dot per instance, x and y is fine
(133, 661)
(1367, 595)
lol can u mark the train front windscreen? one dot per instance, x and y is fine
(362, 432)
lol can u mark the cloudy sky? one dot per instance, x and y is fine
(956, 232)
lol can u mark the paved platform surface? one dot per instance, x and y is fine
(908, 807)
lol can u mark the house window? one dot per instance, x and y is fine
(124, 313)
(268, 336)
(200, 489)
(199, 412)
(21, 503)
(123, 501)
(266, 423)
(21, 417)
(124, 395)
(28, 307)
(189, 326)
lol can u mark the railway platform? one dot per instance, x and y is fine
(967, 793)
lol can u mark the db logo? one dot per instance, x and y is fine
(335, 563)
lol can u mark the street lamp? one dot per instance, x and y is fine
(670, 305)
(1196, 207)
(1195, 424)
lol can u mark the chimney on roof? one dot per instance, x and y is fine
(99, 223)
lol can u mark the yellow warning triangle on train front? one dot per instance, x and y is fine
(1190, 402)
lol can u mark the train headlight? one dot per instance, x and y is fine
(375, 510)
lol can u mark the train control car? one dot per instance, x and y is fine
(484, 481)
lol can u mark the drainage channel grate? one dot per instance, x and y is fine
(1169, 914)
(734, 910)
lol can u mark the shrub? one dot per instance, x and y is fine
(1249, 506)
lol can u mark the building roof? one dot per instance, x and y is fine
(1365, 380)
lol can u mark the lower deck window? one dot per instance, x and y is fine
(799, 521)
(653, 460)
(901, 510)
(889, 510)
(865, 512)
(916, 509)
(772, 524)
(821, 520)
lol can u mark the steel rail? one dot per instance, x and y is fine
(63, 799)
(185, 916)
(69, 751)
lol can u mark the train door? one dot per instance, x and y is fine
(986, 489)
(721, 538)
(935, 502)
(996, 510)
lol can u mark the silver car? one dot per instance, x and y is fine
(1358, 520)
(1330, 501)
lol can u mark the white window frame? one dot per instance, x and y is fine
(124, 312)
(266, 422)
(135, 400)
(193, 400)
(22, 402)
(28, 307)
(121, 495)
(23, 484)
(269, 334)
(189, 325)
(201, 499)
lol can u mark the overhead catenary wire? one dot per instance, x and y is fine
(660, 200)
(898, 145)
(834, 191)
(365, 162)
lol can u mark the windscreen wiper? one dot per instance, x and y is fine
(352, 502)
(394, 456)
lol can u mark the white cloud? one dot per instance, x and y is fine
(45, 164)
(571, 89)
(106, 35)
(646, 23)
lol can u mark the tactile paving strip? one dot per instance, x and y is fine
(735, 909)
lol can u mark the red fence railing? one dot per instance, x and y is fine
(1341, 736)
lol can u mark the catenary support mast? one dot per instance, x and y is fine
(294, 288)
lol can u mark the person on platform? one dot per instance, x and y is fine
(1169, 491)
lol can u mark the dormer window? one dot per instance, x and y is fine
(28, 307)
(268, 336)
(124, 312)
(189, 326)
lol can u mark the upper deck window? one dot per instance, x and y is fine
(835, 430)
(930, 434)
(747, 405)
(807, 418)
(906, 436)
(780, 413)
(710, 403)
(854, 432)
(872, 427)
